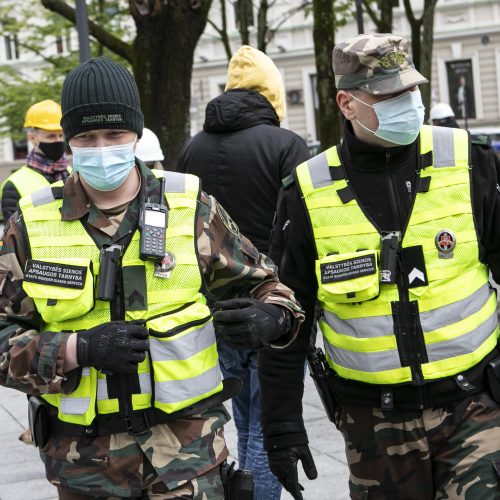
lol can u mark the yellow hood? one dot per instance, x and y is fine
(251, 69)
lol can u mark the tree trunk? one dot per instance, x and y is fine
(262, 27)
(422, 41)
(324, 40)
(162, 64)
(385, 24)
(244, 17)
(426, 50)
(161, 57)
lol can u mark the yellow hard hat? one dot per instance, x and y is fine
(44, 114)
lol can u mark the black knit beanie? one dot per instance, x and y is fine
(100, 94)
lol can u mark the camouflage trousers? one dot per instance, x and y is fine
(450, 452)
(205, 487)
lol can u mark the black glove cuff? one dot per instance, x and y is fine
(82, 349)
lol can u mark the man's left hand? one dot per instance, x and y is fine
(250, 323)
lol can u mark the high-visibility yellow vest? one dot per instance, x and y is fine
(26, 180)
(61, 276)
(456, 310)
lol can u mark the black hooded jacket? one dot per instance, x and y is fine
(241, 156)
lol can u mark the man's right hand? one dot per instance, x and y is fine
(117, 346)
(283, 464)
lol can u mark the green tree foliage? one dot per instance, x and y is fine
(36, 34)
(156, 38)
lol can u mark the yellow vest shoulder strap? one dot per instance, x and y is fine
(449, 146)
(25, 180)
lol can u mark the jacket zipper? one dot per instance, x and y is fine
(180, 328)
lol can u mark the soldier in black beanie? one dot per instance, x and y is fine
(105, 322)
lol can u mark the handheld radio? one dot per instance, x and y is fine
(153, 221)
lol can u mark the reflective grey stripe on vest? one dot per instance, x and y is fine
(145, 383)
(174, 391)
(42, 196)
(443, 148)
(175, 182)
(379, 326)
(75, 406)
(375, 326)
(102, 389)
(447, 315)
(319, 171)
(364, 361)
(464, 344)
(184, 347)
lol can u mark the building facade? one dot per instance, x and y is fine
(465, 71)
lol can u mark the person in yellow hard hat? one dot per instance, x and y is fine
(46, 162)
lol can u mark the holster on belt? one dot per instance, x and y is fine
(320, 373)
(238, 483)
(38, 418)
(493, 374)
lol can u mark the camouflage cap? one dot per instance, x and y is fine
(377, 63)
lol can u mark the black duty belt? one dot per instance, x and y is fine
(413, 397)
(138, 422)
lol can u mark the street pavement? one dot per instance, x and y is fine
(22, 474)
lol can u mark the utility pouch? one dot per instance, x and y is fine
(38, 418)
(320, 372)
(238, 483)
(493, 373)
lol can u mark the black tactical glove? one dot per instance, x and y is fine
(116, 346)
(250, 323)
(283, 464)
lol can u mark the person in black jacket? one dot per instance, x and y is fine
(410, 330)
(241, 156)
(46, 162)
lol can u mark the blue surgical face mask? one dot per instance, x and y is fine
(399, 119)
(104, 168)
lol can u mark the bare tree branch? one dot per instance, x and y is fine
(286, 16)
(409, 12)
(107, 39)
(39, 53)
(371, 12)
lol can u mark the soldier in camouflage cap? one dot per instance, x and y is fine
(378, 64)
(412, 375)
(115, 341)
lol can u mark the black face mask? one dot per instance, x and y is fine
(53, 150)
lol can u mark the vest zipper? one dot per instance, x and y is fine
(409, 344)
(180, 328)
(123, 381)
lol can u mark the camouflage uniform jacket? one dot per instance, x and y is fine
(31, 360)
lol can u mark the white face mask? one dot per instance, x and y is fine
(399, 119)
(104, 168)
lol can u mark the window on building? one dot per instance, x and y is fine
(11, 47)
(20, 149)
(63, 42)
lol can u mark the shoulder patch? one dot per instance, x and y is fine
(229, 223)
(288, 181)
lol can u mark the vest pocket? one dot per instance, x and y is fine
(61, 288)
(348, 277)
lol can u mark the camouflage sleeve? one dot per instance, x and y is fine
(233, 267)
(30, 361)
